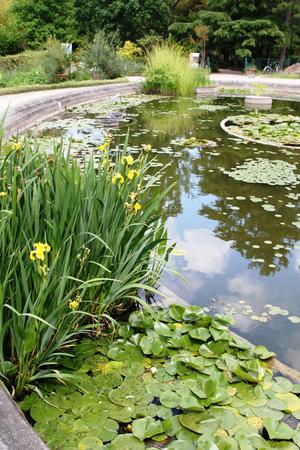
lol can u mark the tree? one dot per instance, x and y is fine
(289, 10)
(11, 38)
(237, 28)
(132, 19)
(41, 19)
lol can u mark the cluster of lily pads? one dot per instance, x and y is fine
(265, 171)
(193, 142)
(271, 129)
(175, 379)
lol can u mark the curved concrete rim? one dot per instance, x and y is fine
(26, 110)
(240, 136)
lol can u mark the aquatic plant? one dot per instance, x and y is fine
(76, 245)
(265, 171)
(271, 129)
(176, 377)
(169, 73)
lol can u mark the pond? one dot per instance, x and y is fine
(238, 244)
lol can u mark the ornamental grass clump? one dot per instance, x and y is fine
(169, 72)
(76, 247)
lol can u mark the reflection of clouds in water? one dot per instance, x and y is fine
(243, 287)
(205, 253)
(297, 258)
(247, 289)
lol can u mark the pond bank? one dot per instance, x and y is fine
(21, 111)
(279, 88)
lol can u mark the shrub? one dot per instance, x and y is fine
(102, 58)
(76, 245)
(130, 50)
(169, 73)
(55, 60)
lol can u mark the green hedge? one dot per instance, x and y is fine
(11, 62)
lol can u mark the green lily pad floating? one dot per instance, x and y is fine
(270, 129)
(193, 142)
(146, 428)
(126, 442)
(264, 171)
(294, 319)
(219, 386)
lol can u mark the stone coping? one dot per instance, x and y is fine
(15, 432)
(26, 110)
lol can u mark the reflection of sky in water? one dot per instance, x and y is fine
(220, 241)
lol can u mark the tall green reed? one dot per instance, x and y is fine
(169, 72)
(76, 247)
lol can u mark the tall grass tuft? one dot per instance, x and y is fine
(169, 73)
(76, 247)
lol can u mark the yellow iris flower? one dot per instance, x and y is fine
(137, 207)
(39, 251)
(118, 179)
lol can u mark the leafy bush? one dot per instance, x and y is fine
(102, 58)
(75, 246)
(169, 73)
(55, 60)
(130, 50)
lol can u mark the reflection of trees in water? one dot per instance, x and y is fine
(251, 225)
(248, 226)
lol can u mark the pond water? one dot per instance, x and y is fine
(238, 244)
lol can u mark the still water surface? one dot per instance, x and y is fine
(232, 252)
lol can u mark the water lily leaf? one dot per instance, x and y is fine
(263, 352)
(252, 441)
(141, 319)
(180, 445)
(126, 442)
(201, 422)
(146, 428)
(172, 426)
(90, 443)
(192, 313)
(191, 403)
(176, 312)
(201, 334)
(125, 331)
(278, 430)
(291, 401)
(170, 399)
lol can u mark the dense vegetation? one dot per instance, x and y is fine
(76, 247)
(228, 30)
(175, 379)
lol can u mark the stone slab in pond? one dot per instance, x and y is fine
(15, 431)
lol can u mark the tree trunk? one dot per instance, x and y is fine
(288, 21)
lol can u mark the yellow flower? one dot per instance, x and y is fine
(128, 159)
(118, 178)
(32, 255)
(128, 206)
(132, 173)
(39, 251)
(16, 146)
(133, 196)
(73, 304)
(3, 194)
(147, 147)
(103, 147)
(137, 206)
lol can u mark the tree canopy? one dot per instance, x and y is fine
(234, 29)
